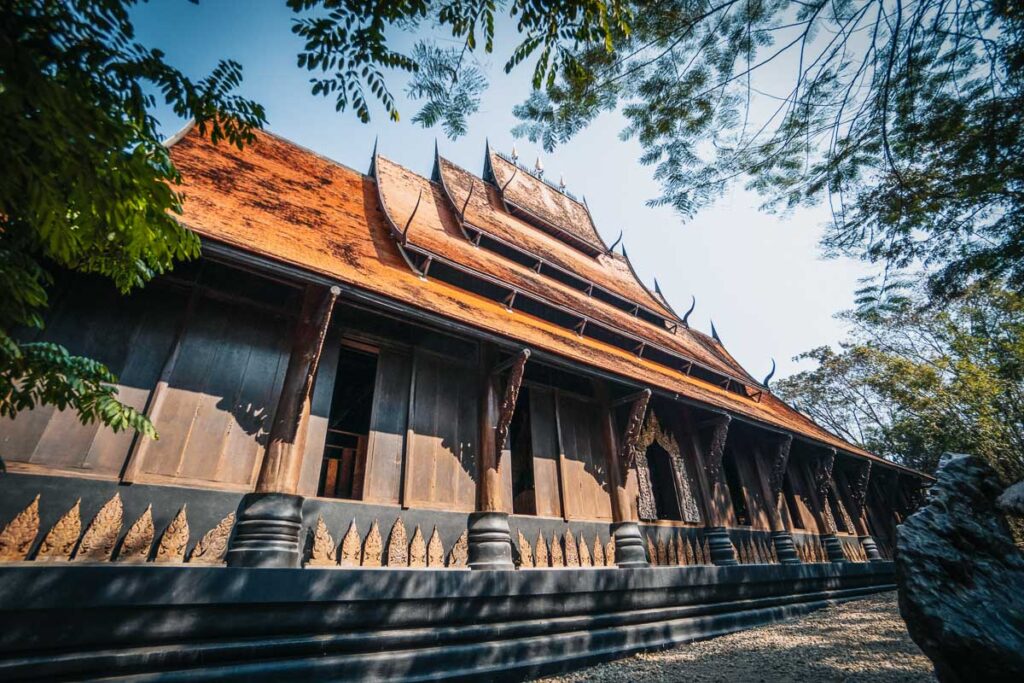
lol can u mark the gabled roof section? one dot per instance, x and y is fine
(293, 207)
(542, 205)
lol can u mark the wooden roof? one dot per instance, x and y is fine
(282, 201)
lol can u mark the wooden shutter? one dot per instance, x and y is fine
(546, 453)
(388, 425)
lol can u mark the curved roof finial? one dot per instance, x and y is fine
(693, 305)
(770, 374)
(615, 243)
(657, 288)
(714, 333)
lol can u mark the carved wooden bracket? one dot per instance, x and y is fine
(779, 464)
(716, 450)
(823, 484)
(628, 450)
(516, 364)
(823, 472)
(859, 486)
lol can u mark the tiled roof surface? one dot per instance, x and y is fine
(282, 201)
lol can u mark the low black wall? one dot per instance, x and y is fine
(192, 623)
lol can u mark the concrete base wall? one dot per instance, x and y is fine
(195, 623)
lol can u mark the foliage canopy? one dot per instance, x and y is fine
(915, 382)
(87, 184)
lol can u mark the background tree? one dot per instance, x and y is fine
(87, 184)
(914, 382)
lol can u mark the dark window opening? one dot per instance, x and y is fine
(663, 483)
(523, 491)
(732, 480)
(344, 463)
(794, 509)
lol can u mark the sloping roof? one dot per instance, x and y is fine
(287, 203)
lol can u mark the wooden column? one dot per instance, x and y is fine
(857, 488)
(490, 541)
(823, 489)
(270, 519)
(629, 546)
(782, 539)
(282, 461)
(719, 542)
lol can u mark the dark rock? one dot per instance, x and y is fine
(1012, 500)
(961, 578)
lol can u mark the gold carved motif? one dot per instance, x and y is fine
(662, 552)
(323, 553)
(599, 560)
(689, 556)
(572, 553)
(61, 539)
(174, 539)
(673, 549)
(652, 551)
(351, 552)
(100, 536)
(459, 556)
(17, 537)
(557, 558)
(525, 554)
(212, 548)
(398, 545)
(705, 551)
(585, 559)
(373, 546)
(417, 549)
(542, 552)
(609, 553)
(139, 540)
(435, 550)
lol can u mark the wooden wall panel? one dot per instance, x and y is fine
(585, 466)
(544, 444)
(441, 469)
(132, 337)
(220, 399)
(388, 425)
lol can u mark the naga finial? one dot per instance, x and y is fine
(693, 305)
(771, 374)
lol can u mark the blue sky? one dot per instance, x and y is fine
(759, 277)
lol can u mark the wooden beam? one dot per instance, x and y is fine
(282, 460)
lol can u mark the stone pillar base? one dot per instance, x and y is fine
(490, 541)
(870, 549)
(784, 548)
(267, 532)
(834, 548)
(723, 553)
(629, 545)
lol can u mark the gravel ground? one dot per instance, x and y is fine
(864, 641)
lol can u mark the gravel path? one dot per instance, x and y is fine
(864, 641)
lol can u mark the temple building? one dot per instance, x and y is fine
(385, 370)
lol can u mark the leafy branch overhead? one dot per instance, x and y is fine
(905, 117)
(87, 183)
